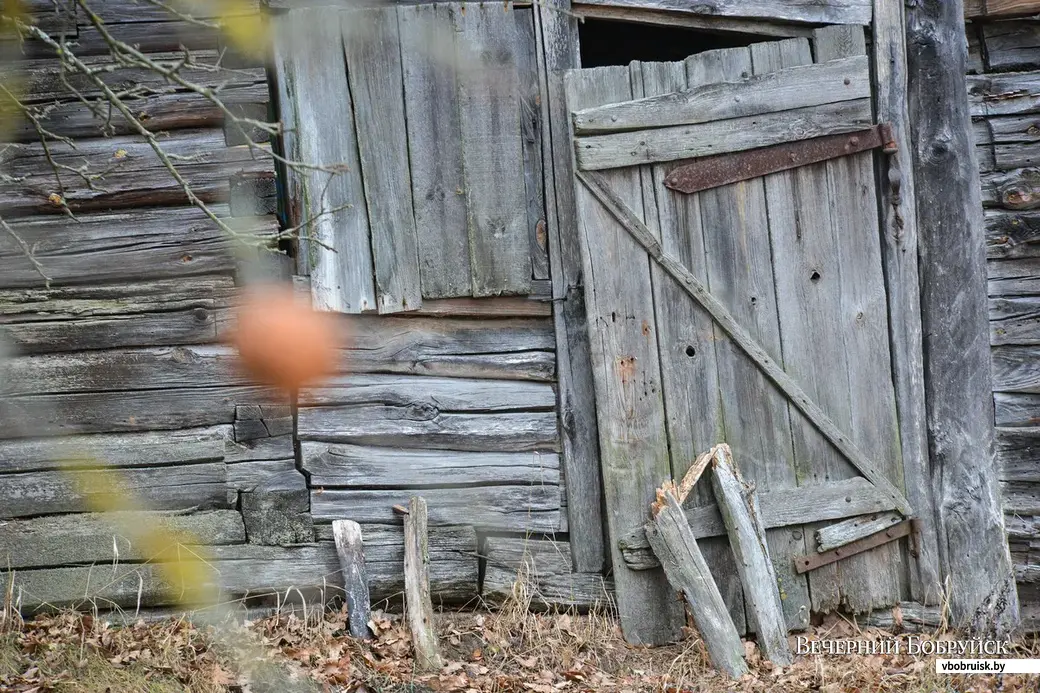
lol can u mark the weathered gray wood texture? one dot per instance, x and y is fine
(841, 12)
(539, 574)
(958, 381)
(774, 282)
(1005, 141)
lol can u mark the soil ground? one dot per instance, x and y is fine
(508, 650)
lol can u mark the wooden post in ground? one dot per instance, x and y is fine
(974, 556)
(418, 604)
(672, 540)
(738, 505)
(347, 535)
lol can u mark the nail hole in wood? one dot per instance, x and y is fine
(690, 351)
(815, 276)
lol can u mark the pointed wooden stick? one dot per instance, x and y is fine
(418, 604)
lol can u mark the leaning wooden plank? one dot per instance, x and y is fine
(355, 466)
(595, 183)
(507, 508)
(351, 553)
(488, 83)
(596, 152)
(781, 90)
(160, 488)
(42, 542)
(676, 548)
(633, 442)
(741, 512)
(754, 417)
(676, 18)
(373, 54)
(785, 508)
(557, 34)
(840, 12)
(418, 605)
(434, 151)
(953, 308)
(309, 54)
(841, 533)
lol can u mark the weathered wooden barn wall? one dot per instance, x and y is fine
(1004, 69)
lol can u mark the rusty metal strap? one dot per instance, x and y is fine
(812, 561)
(712, 171)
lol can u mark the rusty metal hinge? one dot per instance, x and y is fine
(713, 171)
(812, 561)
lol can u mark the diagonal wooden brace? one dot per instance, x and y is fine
(597, 185)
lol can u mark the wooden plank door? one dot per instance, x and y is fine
(752, 312)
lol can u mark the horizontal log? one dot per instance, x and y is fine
(1017, 452)
(355, 466)
(158, 488)
(123, 12)
(1013, 45)
(59, 540)
(1022, 527)
(538, 573)
(1021, 497)
(1016, 410)
(1014, 369)
(796, 87)
(1012, 235)
(150, 368)
(159, 313)
(1014, 320)
(686, 20)
(265, 475)
(247, 569)
(999, 8)
(273, 448)
(447, 394)
(1015, 190)
(161, 113)
(906, 617)
(805, 505)
(514, 349)
(533, 508)
(43, 80)
(125, 172)
(425, 425)
(596, 152)
(1013, 93)
(114, 412)
(837, 12)
(159, 449)
(1014, 277)
(147, 36)
(127, 246)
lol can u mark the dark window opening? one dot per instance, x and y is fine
(609, 42)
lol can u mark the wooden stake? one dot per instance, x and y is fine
(738, 504)
(418, 605)
(349, 548)
(672, 540)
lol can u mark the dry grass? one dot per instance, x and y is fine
(507, 649)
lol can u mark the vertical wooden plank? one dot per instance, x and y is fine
(373, 53)
(897, 199)
(489, 83)
(622, 332)
(876, 579)
(557, 36)
(531, 133)
(434, 149)
(958, 384)
(757, 423)
(310, 56)
(685, 334)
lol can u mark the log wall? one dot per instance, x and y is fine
(118, 361)
(1004, 69)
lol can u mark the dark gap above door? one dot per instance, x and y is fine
(614, 42)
